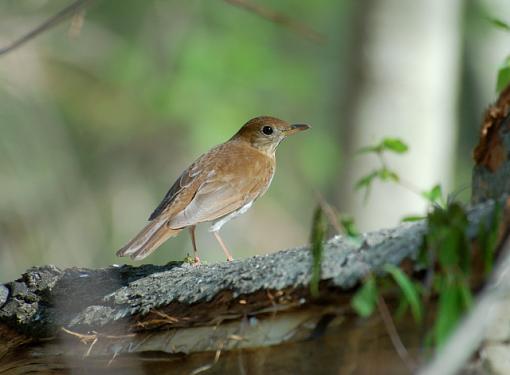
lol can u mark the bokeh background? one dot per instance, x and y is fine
(99, 115)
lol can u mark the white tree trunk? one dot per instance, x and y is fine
(409, 65)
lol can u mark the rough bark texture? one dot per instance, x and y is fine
(46, 298)
(492, 170)
(181, 309)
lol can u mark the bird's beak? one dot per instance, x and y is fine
(295, 128)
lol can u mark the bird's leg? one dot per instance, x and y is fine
(224, 248)
(195, 252)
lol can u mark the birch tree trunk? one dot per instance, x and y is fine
(404, 84)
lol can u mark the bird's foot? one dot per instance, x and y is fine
(230, 259)
(197, 261)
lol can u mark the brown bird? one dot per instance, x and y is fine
(217, 187)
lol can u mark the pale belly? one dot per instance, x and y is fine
(216, 226)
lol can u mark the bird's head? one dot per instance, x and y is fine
(265, 132)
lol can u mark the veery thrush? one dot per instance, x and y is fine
(220, 185)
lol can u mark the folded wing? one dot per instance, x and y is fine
(218, 197)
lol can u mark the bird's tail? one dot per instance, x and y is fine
(148, 240)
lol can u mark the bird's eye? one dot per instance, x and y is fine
(267, 130)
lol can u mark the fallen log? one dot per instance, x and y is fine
(248, 316)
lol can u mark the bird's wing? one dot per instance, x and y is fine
(184, 189)
(214, 199)
(184, 181)
(227, 188)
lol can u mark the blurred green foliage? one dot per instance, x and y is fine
(410, 291)
(447, 257)
(95, 128)
(503, 78)
(499, 23)
(364, 301)
(383, 173)
(503, 75)
(488, 238)
(447, 243)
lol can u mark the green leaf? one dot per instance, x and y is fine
(366, 181)
(412, 218)
(189, 259)
(466, 296)
(450, 309)
(503, 79)
(401, 308)
(434, 195)
(395, 145)
(503, 75)
(319, 228)
(488, 232)
(387, 144)
(424, 254)
(447, 237)
(365, 299)
(499, 23)
(349, 226)
(409, 290)
(385, 174)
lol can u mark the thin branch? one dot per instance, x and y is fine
(280, 19)
(330, 212)
(85, 338)
(210, 365)
(89, 350)
(394, 336)
(260, 10)
(46, 25)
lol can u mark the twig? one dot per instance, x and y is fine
(281, 19)
(394, 336)
(94, 335)
(115, 354)
(83, 338)
(330, 212)
(167, 317)
(46, 25)
(209, 365)
(93, 339)
(87, 353)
